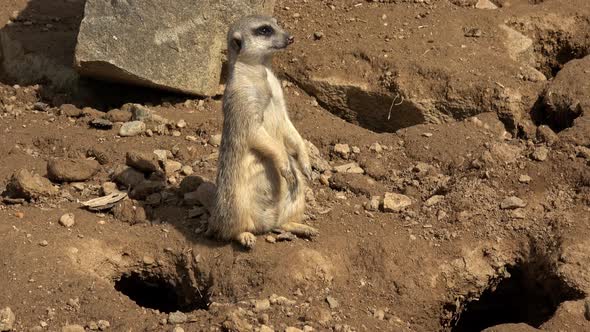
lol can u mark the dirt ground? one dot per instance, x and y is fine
(497, 233)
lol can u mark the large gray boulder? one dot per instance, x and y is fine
(174, 45)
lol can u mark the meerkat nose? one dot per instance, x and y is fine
(290, 40)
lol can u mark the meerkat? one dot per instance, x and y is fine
(263, 162)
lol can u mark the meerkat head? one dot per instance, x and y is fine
(255, 38)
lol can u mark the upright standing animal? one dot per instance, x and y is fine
(262, 159)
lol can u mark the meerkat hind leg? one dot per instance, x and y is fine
(246, 239)
(300, 230)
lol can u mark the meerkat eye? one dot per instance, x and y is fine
(265, 30)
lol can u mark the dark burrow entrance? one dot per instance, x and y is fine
(166, 291)
(530, 294)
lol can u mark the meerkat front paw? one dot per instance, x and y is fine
(307, 171)
(288, 175)
(247, 239)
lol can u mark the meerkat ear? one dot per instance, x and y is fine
(237, 41)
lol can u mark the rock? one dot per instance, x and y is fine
(373, 204)
(70, 110)
(103, 124)
(24, 184)
(546, 135)
(7, 319)
(540, 154)
(393, 202)
(171, 167)
(72, 328)
(108, 188)
(44, 243)
(177, 318)
(376, 147)
(103, 325)
(317, 162)
(353, 168)
(181, 124)
(177, 329)
(332, 302)
(587, 309)
(130, 212)
(286, 236)
(71, 170)
(293, 329)
(116, 115)
(127, 176)
(434, 200)
(99, 153)
(215, 140)
(67, 220)
(174, 46)
(343, 150)
(132, 128)
(485, 4)
(163, 155)
(186, 170)
(582, 151)
(261, 305)
(512, 327)
(206, 194)
(512, 202)
(146, 162)
(264, 328)
(524, 179)
(270, 239)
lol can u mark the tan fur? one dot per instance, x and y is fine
(263, 161)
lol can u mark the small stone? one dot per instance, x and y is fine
(108, 188)
(261, 305)
(376, 147)
(270, 239)
(356, 150)
(70, 110)
(473, 32)
(393, 202)
(177, 318)
(540, 154)
(318, 35)
(147, 260)
(138, 112)
(116, 115)
(103, 124)
(206, 194)
(308, 328)
(163, 155)
(434, 200)
(177, 329)
(485, 4)
(44, 243)
(524, 179)
(132, 128)
(546, 135)
(379, 314)
(293, 329)
(582, 151)
(427, 134)
(317, 162)
(181, 124)
(92, 325)
(129, 212)
(352, 168)
(24, 184)
(103, 325)
(127, 176)
(373, 204)
(7, 319)
(72, 328)
(172, 166)
(176, 133)
(71, 170)
(343, 150)
(215, 140)
(264, 328)
(512, 202)
(19, 214)
(146, 162)
(186, 170)
(67, 220)
(332, 302)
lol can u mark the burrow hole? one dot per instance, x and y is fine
(531, 293)
(167, 291)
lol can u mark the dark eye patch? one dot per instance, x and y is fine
(265, 30)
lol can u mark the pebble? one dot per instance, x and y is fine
(270, 239)
(181, 124)
(264, 328)
(287, 236)
(101, 124)
(142, 161)
(427, 134)
(540, 154)
(318, 35)
(67, 220)
(582, 151)
(356, 150)
(116, 115)
(176, 133)
(393, 202)
(132, 128)
(177, 318)
(524, 179)
(44, 243)
(19, 214)
(92, 325)
(177, 329)
(215, 140)
(7, 319)
(379, 314)
(108, 188)
(332, 302)
(512, 202)
(546, 135)
(72, 328)
(261, 305)
(485, 4)
(186, 170)
(373, 204)
(376, 147)
(351, 168)
(71, 170)
(434, 200)
(163, 155)
(343, 150)
(103, 324)
(172, 166)
(293, 329)
(127, 176)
